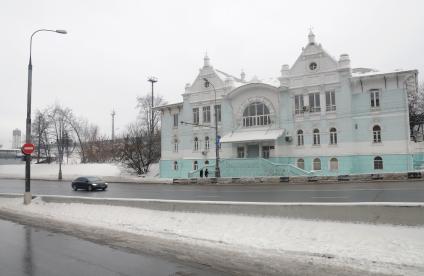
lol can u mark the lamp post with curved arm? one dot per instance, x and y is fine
(217, 168)
(27, 194)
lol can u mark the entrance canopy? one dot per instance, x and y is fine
(252, 135)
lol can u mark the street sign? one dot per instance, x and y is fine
(28, 148)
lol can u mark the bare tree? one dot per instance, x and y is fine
(415, 106)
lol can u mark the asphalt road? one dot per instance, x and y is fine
(27, 250)
(379, 191)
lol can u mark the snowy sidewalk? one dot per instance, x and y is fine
(394, 250)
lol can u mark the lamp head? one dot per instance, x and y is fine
(61, 31)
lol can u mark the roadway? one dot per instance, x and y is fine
(378, 191)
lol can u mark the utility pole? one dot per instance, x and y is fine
(113, 125)
(152, 80)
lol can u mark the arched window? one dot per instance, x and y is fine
(317, 164)
(196, 144)
(376, 132)
(206, 162)
(256, 114)
(175, 165)
(300, 141)
(333, 136)
(207, 143)
(301, 163)
(334, 164)
(195, 165)
(378, 163)
(316, 137)
(175, 145)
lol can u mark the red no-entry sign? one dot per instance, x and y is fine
(28, 148)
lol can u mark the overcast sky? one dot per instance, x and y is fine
(113, 46)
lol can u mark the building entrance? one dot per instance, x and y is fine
(252, 151)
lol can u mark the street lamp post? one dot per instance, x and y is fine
(217, 168)
(153, 80)
(27, 194)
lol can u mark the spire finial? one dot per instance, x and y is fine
(206, 60)
(311, 36)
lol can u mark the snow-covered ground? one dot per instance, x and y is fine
(395, 250)
(109, 171)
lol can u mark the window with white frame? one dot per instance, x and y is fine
(375, 98)
(206, 110)
(314, 102)
(176, 120)
(175, 145)
(316, 164)
(195, 165)
(298, 104)
(300, 140)
(316, 137)
(300, 163)
(333, 136)
(196, 116)
(240, 152)
(175, 165)
(265, 151)
(334, 164)
(330, 100)
(256, 114)
(218, 112)
(207, 143)
(376, 133)
(196, 144)
(378, 163)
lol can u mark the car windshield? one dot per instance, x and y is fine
(93, 178)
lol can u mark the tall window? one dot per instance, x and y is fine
(207, 143)
(317, 164)
(196, 116)
(376, 132)
(256, 114)
(314, 103)
(195, 165)
(240, 152)
(176, 120)
(334, 164)
(330, 101)
(298, 104)
(265, 152)
(378, 163)
(300, 140)
(206, 114)
(175, 165)
(301, 163)
(316, 136)
(375, 98)
(218, 112)
(196, 144)
(333, 136)
(175, 145)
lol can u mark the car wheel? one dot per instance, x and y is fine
(74, 187)
(90, 188)
(104, 189)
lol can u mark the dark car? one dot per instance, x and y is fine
(89, 183)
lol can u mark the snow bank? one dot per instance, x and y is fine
(376, 248)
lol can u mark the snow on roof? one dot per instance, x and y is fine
(171, 105)
(365, 72)
(252, 135)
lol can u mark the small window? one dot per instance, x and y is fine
(334, 164)
(207, 143)
(376, 132)
(240, 152)
(301, 163)
(196, 144)
(206, 162)
(176, 120)
(317, 164)
(333, 136)
(298, 104)
(196, 116)
(218, 112)
(195, 165)
(300, 140)
(330, 101)
(316, 137)
(206, 114)
(175, 145)
(314, 102)
(378, 163)
(265, 152)
(313, 66)
(175, 165)
(375, 98)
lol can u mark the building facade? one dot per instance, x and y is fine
(319, 117)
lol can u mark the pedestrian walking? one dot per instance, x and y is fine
(201, 173)
(206, 173)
